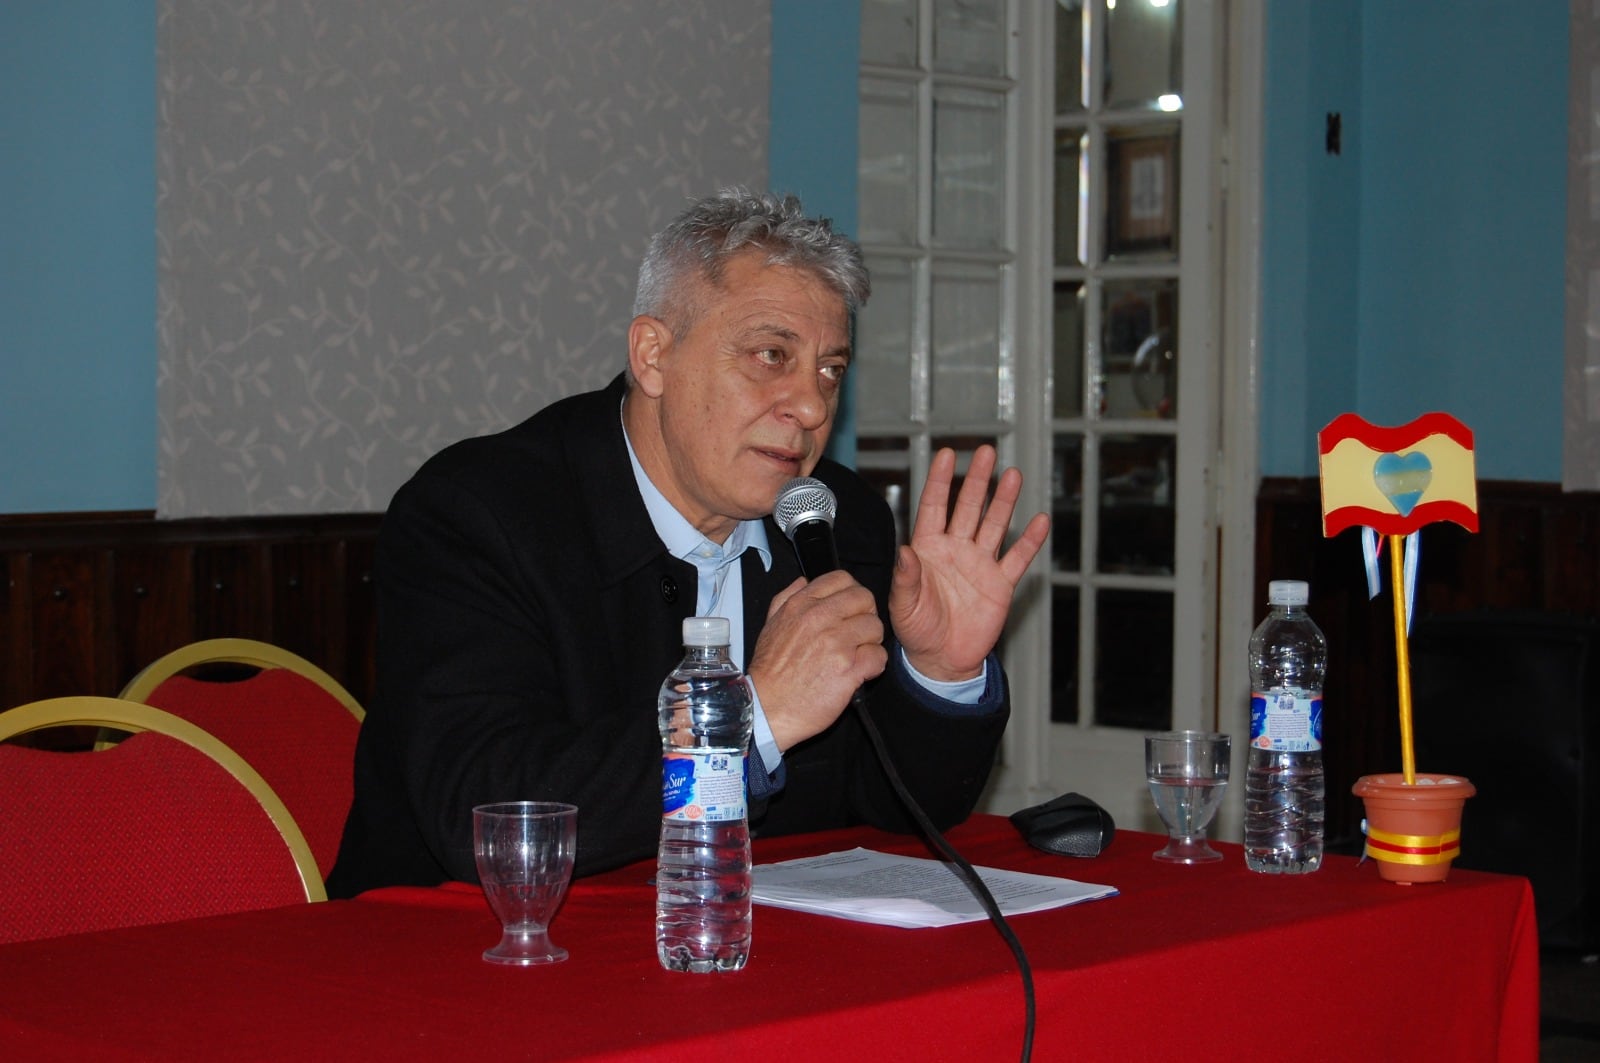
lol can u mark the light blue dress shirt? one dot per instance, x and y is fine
(720, 592)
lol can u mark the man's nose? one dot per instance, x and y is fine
(805, 402)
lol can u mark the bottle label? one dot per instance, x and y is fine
(703, 787)
(1286, 721)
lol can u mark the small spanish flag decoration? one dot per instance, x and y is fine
(1390, 482)
(1395, 480)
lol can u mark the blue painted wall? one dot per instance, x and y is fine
(816, 54)
(77, 256)
(1464, 223)
(1423, 268)
(1420, 269)
(1311, 215)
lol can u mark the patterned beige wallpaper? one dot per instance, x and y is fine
(384, 225)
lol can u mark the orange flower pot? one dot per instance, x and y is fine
(1413, 832)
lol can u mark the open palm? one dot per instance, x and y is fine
(952, 586)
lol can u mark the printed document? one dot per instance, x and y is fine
(873, 887)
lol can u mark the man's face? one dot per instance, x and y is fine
(745, 398)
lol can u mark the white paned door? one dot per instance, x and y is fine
(1045, 211)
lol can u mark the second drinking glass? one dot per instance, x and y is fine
(1188, 773)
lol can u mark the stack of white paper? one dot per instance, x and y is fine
(874, 887)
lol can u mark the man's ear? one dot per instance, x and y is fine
(649, 340)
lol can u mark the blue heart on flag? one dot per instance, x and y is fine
(1402, 478)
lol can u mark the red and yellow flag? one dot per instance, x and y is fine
(1395, 480)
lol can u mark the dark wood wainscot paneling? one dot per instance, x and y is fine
(89, 599)
(1537, 550)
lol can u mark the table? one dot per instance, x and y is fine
(1191, 962)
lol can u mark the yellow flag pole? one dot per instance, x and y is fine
(1402, 657)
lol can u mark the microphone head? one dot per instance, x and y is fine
(802, 499)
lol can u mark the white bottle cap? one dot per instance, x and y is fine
(1288, 592)
(705, 631)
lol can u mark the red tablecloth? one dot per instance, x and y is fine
(1209, 962)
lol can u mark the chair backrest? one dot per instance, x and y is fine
(167, 824)
(261, 655)
(291, 726)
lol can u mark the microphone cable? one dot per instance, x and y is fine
(804, 511)
(965, 870)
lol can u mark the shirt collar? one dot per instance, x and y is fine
(682, 539)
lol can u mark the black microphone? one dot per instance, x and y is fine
(804, 510)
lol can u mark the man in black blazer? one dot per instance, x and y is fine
(529, 603)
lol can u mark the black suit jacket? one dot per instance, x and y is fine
(527, 614)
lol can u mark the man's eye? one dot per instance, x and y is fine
(833, 373)
(770, 356)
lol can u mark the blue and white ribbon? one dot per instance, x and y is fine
(1372, 546)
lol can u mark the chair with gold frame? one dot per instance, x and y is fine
(292, 721)
(167, 824)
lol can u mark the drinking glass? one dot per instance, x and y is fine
(1188, 772)
(524, 851)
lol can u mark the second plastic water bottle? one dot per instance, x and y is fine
(703, 867)
(1283, 789)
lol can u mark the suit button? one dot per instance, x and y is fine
(669, 589)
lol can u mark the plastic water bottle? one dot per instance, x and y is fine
(703, 867)
(1283, 793)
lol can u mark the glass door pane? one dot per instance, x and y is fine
(1071, 145)
(884, 338)
(1067, 331)
(1136, 513)
(1066, 506)
(1071, 92)
(889, 32)
(1141, 193)
(1139, 349)
(1133, 660)
(969, 36)
(967, 375)
(887, 175)
(969, 131)
(1144, 54)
